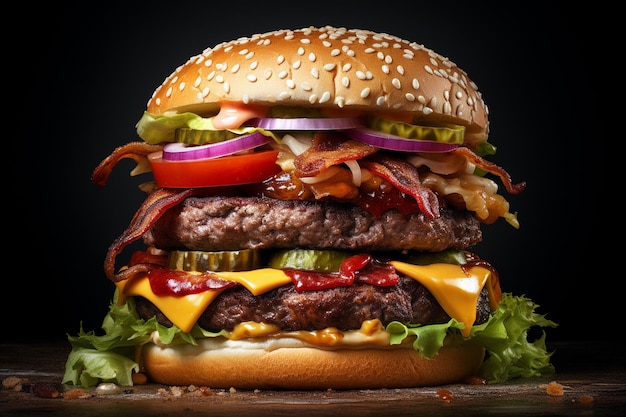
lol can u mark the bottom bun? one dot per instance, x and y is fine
(250, 367)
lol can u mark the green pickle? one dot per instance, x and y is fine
(200, 261)
(448, 133)
(449, 256)
(200, 137)
(308, 259)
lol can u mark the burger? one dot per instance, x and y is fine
(308, 224)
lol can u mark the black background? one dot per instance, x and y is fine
(87, 78)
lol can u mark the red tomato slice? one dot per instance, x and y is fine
(227, 170)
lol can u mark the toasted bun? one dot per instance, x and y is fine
(255, 367)
(331, 68)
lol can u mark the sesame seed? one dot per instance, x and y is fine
(325, 97)
(315, 73)
(380, 101)
(251, 77)
(396, 83)
(296, 64)
(235, 69)
(300, 51)
(365, 92)
(335, 52)
(226, 87)
(290, 83)
(345, 81)
(181, 86)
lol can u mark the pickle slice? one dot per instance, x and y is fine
(448, 133)
(237, 260)
(200, 137)
(449, 256)
(308, 259)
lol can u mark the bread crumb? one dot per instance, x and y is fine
(13, 382)
(586, 399)
(554, 389)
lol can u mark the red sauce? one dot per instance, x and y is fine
(284, 186)
(383, 199)
(359, 268)
(170, 282)
(362, 269)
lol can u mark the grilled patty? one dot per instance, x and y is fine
(232, 223)
(343, 307)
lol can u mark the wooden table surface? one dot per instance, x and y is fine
(592, 377)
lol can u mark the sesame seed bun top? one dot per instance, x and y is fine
(332, 68)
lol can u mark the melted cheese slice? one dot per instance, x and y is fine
(185, 310)
(456, 290)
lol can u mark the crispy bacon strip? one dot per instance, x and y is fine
(157, 203)
(132, 150)
(329, 148)
(405, 177)
(492, 168)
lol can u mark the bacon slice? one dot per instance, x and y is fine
(492, 168)
(405, 177)
(329, 148)
(153, 207)
(136, 151)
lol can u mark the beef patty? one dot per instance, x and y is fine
(232, 223)
(343, 307)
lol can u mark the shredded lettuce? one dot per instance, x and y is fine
(110, 357)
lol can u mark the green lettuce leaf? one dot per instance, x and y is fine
(505, 336)
(159, 128)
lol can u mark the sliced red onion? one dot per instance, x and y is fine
(398, 143)
(306, 123)
(182, 152)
